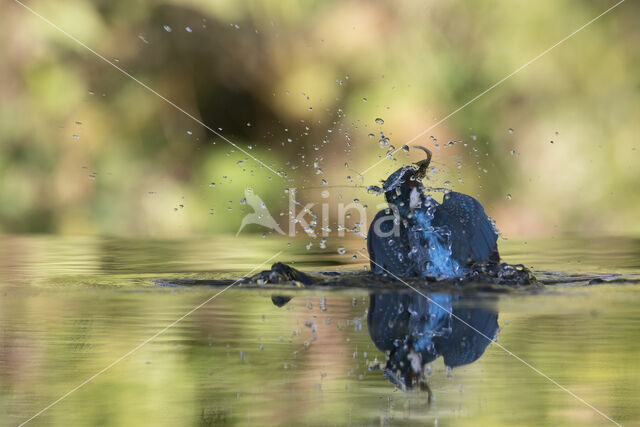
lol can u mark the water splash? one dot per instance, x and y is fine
(441, 264)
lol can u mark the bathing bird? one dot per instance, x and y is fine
(418, 237)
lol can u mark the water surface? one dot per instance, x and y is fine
(72, 306)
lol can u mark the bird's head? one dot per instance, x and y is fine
(404, 188)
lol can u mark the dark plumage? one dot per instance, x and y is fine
(417, 236)
(473, 237)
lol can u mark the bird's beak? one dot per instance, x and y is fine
(423, 164)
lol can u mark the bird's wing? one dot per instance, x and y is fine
(473, 237)
(388, 249)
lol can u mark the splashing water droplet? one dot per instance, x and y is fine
(374, 189)
(342, 250)
(379, 121)
(508, 196)
(364, 99)
(384, 141)
(511, 130)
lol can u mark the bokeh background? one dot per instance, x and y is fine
(85, 150)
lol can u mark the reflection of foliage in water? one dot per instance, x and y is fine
(70, 306)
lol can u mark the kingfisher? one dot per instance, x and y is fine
(415, 236)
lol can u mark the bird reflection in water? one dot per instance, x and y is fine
(413, 331)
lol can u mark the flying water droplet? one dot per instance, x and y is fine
(167, 28)
(374, 189)
(379, 121)
(342, 250)
(384, 141)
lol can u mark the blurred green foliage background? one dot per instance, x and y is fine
(86, 150)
